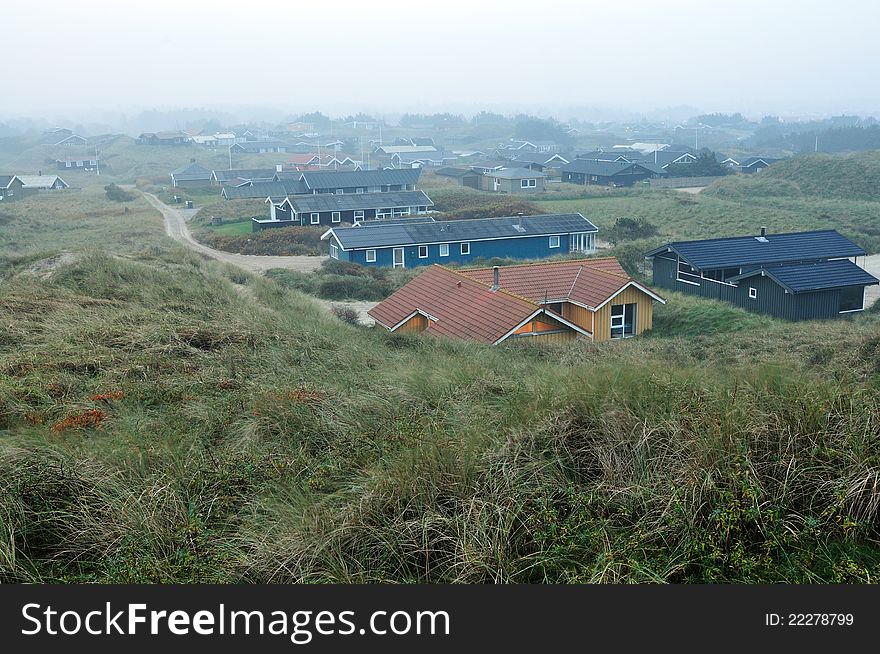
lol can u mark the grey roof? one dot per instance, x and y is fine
(602, 155)
(357, 201)
(750, 161)
(543, 158)
(515, 173)
(332, 179)
(666, 157)
(455, 172)
(41, 181)
(262, 190)
(461, 230)
(191, 169)
(256, 146)
(245, 173)
(6, 180)
(802, 278)
(739, 251)
(606, 168)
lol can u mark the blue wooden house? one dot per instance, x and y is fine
(421, 242)
(795, 276)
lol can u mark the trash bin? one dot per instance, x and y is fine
(177, 199)
(189, 204)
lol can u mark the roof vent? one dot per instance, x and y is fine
(762, 239)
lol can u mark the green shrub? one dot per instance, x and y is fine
(118, 194)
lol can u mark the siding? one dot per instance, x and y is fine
(552, 337)
(644, 313)
(581, 317)
(418, 323)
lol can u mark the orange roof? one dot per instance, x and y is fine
(457, 306)
(301, 159)
(589, 282)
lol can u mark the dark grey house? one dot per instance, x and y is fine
(796, 276)
(608, 173)
(191, 176)
(10, 188)
(751, 165)
(464, 176)
(361, 181)
(333, 210)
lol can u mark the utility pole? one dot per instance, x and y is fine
(97, 163)
(230, 156)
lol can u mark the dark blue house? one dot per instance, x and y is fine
(796, 276)
(421, 242)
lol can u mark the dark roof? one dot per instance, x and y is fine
(256, 146)
(461, 230)
(332, 179)
(801, 278)
(751, 161)
(605, 168)
(456, 172)
(6, 180)
(356, 201)
(245, 173)
(191, 172)
(748, 250)
(543, 158)
(275, 190)
(666, 157)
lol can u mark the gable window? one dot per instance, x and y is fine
(444, 249)
(336, 217)
(371, 256)
(852, 299)
(753, 292)
(554, 241)
(423, 252)
(358, 215)
(623, 320)
(334, 252)
(528, 183)
(316, 219)
(465, 248)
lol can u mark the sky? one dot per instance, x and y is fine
(341, 56)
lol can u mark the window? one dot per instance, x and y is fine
(383, 213)
(67, 164)
(358, 215)
(359, 190)
(623, 320)
(398, 260)
(423, 209)
(753, 292)
(852, 299)
(687, 273)
(371, 256)
(594, 178)
(528, 183)
(444, 249)
(316, 219)
(340, 191)
(580, 242)
(465, 248)
(334, 252)
(79, 164)
(336, 217)
(423, 252)
(554, 241)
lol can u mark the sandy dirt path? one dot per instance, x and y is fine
(175, 227)
(872, 265)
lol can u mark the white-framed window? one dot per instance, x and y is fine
(423, 209)
(465, 248)
(371, 256)
(753, 293)
(423, 252)
(67, 164)
(359, 190)
(554, 241)
(528, 183)
(79, 164)
(383, 213)
(336, 217)
(334, 252)
(358, 215)
(688, 274)
(340, 191)
(594, 178)
(444, 249)
(316, 219)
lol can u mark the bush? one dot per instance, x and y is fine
(461, 204)
(347, 314)
(118, 194)
(630, 229)
(281, 241)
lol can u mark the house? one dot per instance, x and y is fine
(629, 156)
(796, 276)
(489, 166)
(259, 147)
(328, 209)
(11, 188)
(213, 140)
(234, 176)
(665, 158)
(308, 159)
(272, 191)
(461, 241)
(608, 173)
(420, 159)
(87, 163)
(299, 127)
(750, 165)
(360, 181)
(176, 137)
(391, 150)
(550, 301)
(42, 182)
(530, 146)
(539, 160)
(513, 180)
(63, 136)
(191, 175)
(464, 176)
(331, 144)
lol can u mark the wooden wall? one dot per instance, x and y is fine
(418, 323)
(644, 313)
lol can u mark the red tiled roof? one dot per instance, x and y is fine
(301, 159)
(586, 281)
(460, 306)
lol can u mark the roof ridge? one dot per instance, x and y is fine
(548, 263)
(575, 281)
(488, 286)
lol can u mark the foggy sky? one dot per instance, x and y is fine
(342, 56)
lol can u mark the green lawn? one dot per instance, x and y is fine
(232, 229)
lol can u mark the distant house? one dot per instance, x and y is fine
(308, 159)
(464, 176)
(272, 191)
(42, 182)
(235, 176)
(406, 149)
(191, 176)
(608, 173)
(326, 144)
(629, 156)
(259, 147)
(461, 241)
(539, 160)
(420, 159)
(63, 136)
(513, 180)
(86, 163)
(665, 158)
(489, 166)
(299, 127)
(796, 276)
(750, 165)
(10, 188)
(164, 138)
(214, 140)
(530, 146)
(542, 302)
(360, 181)
(327, 209)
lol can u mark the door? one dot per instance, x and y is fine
(398, 258)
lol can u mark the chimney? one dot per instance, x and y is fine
(763, 231)
(496, 278)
